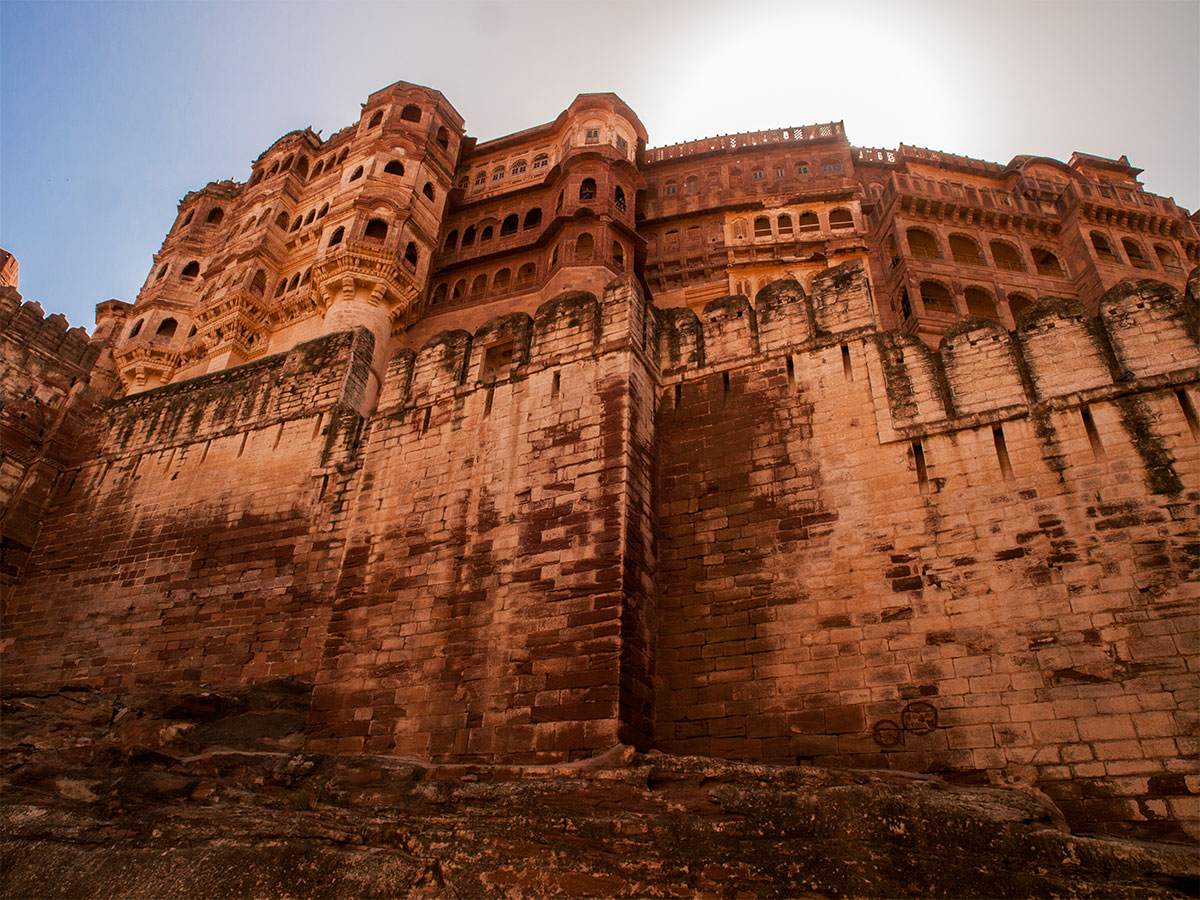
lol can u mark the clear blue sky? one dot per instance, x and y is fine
(111, 112)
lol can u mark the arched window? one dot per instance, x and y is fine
(1103, 248)
(905, 306)
(554, 256)
(841, 219)
(479, 286)
(587, 189)
(192, 332)
(937, 298)
(1006, 256)
(1017, 303)
(526, 273)
(510, 224)
(281, 220)
(480, 177)
(342, 156)
(317, 168)
(137, 326)
(533, 218)
(357, 174)
(187, 220)
(410, 254)
(618, 255)
(295, 223)
(439, 294)
(376, 119)
(802, 167)
(215, 215)
(307, 276)
(965, 250)
(324, 209)
(486, 234)
(161, 273)
(619, 198)
(394, 167)
(712, 181)
(756, 174)
(1167, 258)
(1137, 257)
(259, 284)
(981, 304)
(336, 237)
(808, 222)
(585, 244)
(411, 113)
(922, 243)
(831, 166)
(762, 227)
(443, 137)
(274, 169)
(498, 173)
(428, 190)
(558, 204)
(166, 328)
(451, 240)
(302, 167)
(693, 234)
(295, 282)
(460, 288)
(501, 281)
(281, 287)
(691, 185)
(309, 218)
(541, 161)
(518, 168)
(785, 224)
(463, 183)
(1047, 263)
(376, 230)
(671, 238)
(190, 271)
(469, 236)
(287, 163)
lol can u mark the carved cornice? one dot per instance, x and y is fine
(356, 265)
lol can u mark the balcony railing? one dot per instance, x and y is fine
(745, 139)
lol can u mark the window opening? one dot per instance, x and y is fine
(1002, 453)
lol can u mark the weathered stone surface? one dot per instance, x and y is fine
(161, 795)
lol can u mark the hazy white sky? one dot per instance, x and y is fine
(111, 112)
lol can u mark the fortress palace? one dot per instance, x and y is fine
(762, 447)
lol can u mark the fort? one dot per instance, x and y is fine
(764, 448)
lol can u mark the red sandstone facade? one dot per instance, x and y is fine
(489, 445)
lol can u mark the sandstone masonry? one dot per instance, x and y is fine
(747, 493)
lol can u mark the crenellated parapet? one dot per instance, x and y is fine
(52, 381)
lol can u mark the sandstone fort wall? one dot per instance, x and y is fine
(768, 531)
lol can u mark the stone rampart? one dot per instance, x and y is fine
(766, 532)
(46, 404)
(979, 561)
(197, 540)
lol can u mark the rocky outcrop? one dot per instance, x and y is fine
(206, 794)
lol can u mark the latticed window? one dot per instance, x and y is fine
(541, 161)
(592, 136)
